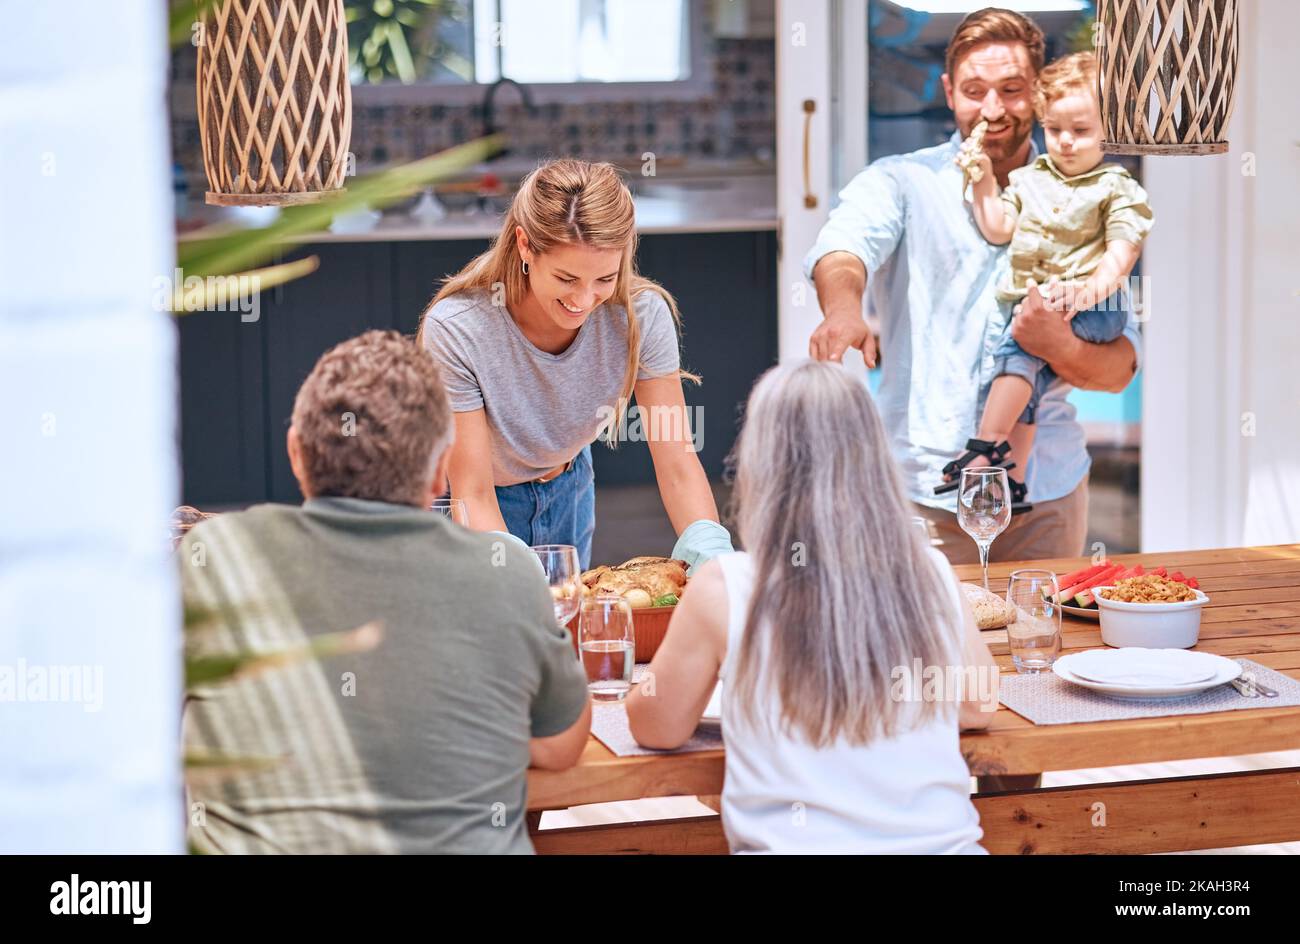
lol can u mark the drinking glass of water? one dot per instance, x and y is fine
(453, 508)
(560, 564)
(1035, 637)
(984, 508)
(607, 643)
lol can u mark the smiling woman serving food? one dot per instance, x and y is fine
(543, 340)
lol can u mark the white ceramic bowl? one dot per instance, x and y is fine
(1150, 625)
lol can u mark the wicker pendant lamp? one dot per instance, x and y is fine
(1168, 74)
(274, 101)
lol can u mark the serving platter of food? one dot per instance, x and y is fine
(651, 585)
(645, 582)
(1076, 590)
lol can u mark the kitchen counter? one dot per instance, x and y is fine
(744, 203)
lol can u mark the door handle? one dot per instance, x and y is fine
(809, 198)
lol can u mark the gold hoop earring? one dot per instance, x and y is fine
(523, 264)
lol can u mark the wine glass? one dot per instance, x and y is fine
(984, 508)
(453, 508)
(560, 564)
(1035, 637)
(607, 644)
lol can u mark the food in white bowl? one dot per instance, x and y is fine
(1174, 624)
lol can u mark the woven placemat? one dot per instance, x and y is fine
(1047, 699)
(609, 724)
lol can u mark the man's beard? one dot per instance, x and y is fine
(999, 149)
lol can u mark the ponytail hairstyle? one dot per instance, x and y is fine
(566, 201)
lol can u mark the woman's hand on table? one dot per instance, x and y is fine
(665, 707)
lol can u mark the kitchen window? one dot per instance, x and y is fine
(418, 51)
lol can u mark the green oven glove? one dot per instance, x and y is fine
(702, 540)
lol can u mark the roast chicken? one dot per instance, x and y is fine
(642, 579)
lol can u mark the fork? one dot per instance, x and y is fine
(1250, 688)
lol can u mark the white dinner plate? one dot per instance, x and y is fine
(1145, 667)
(1226, 671)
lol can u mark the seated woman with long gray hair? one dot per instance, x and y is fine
(847, 657)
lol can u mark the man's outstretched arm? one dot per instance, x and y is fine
(859, 236)
(841, 281)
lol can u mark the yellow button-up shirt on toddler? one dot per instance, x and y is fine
(1064, 223)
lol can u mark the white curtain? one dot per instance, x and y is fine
(89, 619)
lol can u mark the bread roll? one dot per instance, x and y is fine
(991, 611)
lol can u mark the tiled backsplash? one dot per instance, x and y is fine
(737, 120)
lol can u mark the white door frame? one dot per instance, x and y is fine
(803, 147)
(821, 57)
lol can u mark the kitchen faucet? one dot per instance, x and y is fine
(489, 108)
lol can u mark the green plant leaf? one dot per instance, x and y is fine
(401, 53)
(198, 618)
(212, 765)
(184, 14)
(216, 292)
(203, 670)
(234, 250)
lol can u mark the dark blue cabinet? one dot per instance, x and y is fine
(239, 377)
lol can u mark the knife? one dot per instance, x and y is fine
(1246, 691)
(1249, 681)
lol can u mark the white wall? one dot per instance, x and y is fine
(87, 458)
(1221, 394)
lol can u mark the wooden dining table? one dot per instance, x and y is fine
(1253, 612)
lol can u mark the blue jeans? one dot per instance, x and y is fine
(561, 511)
(1103, 322)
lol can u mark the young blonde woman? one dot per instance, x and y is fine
(817, 633)
(543, 340)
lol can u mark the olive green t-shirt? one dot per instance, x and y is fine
(418, 745)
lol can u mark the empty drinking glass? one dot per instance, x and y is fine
(984, 508)
(1035, 637)
(453, 508)
(607, 643)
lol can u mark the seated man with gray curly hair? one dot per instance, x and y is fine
(418, 744)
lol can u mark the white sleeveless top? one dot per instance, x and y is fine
(908, 794)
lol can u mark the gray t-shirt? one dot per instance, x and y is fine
(542, 408)
(419, 745)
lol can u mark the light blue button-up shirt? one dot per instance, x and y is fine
(931, 279)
